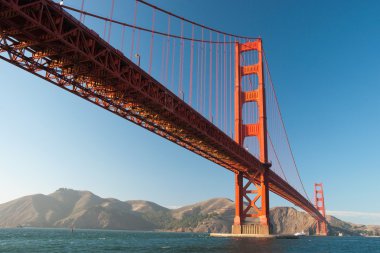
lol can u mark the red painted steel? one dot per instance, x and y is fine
(259, 130)
(320, 205)
(40, 37)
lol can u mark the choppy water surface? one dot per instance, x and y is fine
(62, 240)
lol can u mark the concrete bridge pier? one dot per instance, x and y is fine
(251, 229)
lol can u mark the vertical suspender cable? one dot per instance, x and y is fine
(283, 125)
(122, 39)
(191, 65)
(277, 159)
(216, 80)
(201, 73)
(231, 88)
(210, 83)
(225, 84)
(167, 52)
(222, 80)
(204, 77)
(180, 89)
(138, 42)
(133, 30)
(173, 60)
(151, 42)
(81, 13)
(104, 30)
(162, 74)
(197, 74)
(221, 86)
(110, 25)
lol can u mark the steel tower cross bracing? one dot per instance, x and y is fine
(321, 228)
(40, 37)
(256, 190)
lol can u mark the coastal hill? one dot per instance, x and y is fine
(82, 209)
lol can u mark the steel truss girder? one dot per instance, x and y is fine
(116, 84)
(116, 81)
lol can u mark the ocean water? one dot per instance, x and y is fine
(32, 240)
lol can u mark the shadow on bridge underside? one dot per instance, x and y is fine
(40, 37)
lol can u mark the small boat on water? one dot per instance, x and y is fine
(300, 234)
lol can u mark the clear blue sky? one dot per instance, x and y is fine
(324, 59)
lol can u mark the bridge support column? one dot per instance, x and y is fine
(321, 228)
(251, 192)
(251, 217)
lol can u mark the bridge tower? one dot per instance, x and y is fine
(320, 205)
(253, 218)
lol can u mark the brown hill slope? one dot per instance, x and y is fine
(83, 209)
(66, 208)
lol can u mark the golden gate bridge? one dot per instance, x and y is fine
(204, 89)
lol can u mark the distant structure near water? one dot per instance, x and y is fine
(203, 89)
(320, 205)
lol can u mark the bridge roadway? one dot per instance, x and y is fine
(42, 38)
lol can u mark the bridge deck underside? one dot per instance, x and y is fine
(40, 37)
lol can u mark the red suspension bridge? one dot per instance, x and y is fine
(206, 90)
